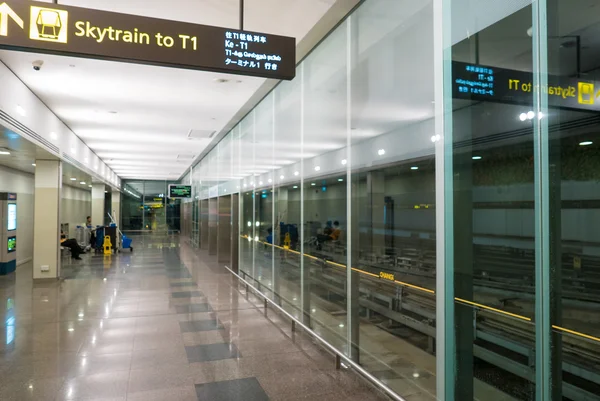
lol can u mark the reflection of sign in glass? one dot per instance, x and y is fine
(49, 25)
(586, 93)
(12, 217)
(180, 191)
(12, 244)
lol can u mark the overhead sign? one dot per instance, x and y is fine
(180, 191)
(478, 82)
(81, 32)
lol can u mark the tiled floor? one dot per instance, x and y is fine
(159, 324)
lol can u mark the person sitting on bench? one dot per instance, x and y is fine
(333, 236)
(72, 244)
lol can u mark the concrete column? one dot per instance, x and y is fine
(115, 206)
(98, 204)
(46, 228)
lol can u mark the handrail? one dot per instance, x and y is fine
(331, 348)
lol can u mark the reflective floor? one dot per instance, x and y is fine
(162, 323)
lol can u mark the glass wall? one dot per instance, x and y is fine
(423, 195)
(146, 207)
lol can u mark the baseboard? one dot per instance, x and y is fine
(22, 262)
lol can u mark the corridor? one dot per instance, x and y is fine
(157, 324)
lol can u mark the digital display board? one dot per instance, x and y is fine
(12, 244)
(11, 221)
(180, 191)
(480, 82)
(81, 32)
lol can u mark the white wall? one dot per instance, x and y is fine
(23, 185)
(76, 205)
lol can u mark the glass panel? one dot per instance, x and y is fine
(325, 199)
(392, 166)
(573, 98)
(133, 206)
(494, 232)
(247, 225)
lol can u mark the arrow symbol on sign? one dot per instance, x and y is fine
(5, 12)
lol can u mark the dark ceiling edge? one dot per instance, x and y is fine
(336, 14)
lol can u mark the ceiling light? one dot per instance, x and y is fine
(296, 173)
(381, 152)
(270, 180)
(530, 115)
(21, 111)
(33, 164)
(476, 157)
(342, 325)
(104, 191)
(295, 186)
(416, 375)
(4, 152)
(340, 179)
(281, 177)
(71, 329)
(82, 182)
(313, 184)
(414, 168)
(318, 168)
(523, 116)
(73, 150)
(91, 186)
(344, 162)
(260, 183)
(585, 143)
(73, 179)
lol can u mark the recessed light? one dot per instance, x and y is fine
(585, 143)
(33, 164)
(340, 179)
(71, 329)
(82, 182)
(341, 325)
(476, 157)
(318, 168)
(281, 177)
(53, 135)
(73, 179)
(344, 162)
(414, 168)
(416, 375)
(313, 184)
(381, 152)
(295, 186)
(296, 173)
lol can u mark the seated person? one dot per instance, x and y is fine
(72, 244)
(333, 236)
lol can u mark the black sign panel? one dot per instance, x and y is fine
(479, 82)
(180, 191)
(81, 32)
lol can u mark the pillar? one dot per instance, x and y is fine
(98, 204)
(46, 229)
(116, 206)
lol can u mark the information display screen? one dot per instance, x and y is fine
(11, 224)
(12, 244)
(180, 191)
(81, 32)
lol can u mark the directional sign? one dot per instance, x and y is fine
(81, 32)
(5, 13)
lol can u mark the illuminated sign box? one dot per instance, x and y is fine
(81, 32)
(180, 191)
(11, 244)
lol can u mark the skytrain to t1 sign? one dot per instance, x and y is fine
(80, 32)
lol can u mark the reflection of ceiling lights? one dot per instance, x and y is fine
(82, 182)
(73, 179)
(4, 151)
(344, 162)
(296, 173)
(381, 152)
(313, 184)
(530, 116)
(414, 168)
(33, 164)
(340, 180)
(585, 143)
(295, 186)
(476, 157)
(318, 168)
(281, 177)
(436, 138)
